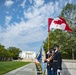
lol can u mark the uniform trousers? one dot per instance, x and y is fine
(49, 71)
(56, 73)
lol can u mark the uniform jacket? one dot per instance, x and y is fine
(57, 61)
(50, 63)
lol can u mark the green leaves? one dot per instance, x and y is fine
(14, 51)
(69, 13)
(11, 52)
(67, 41)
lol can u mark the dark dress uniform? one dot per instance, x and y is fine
(57, 62)
(49, 65)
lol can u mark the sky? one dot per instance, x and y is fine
(23, 23)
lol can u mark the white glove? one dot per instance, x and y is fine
(48, 52)
(47, 60)
(58, 70)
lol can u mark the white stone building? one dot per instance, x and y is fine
(27, 55)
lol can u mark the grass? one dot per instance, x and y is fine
(6, 66)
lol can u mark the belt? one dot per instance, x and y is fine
(55, 61)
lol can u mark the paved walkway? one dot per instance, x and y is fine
(29, 69)
(69, 68)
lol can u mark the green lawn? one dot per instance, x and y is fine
(10, 65)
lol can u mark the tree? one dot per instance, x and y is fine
(56, 37)
(69, 13)
(11, 52)
(14, 52)
(2, 50)
(67, 41)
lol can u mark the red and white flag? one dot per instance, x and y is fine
(58, 23)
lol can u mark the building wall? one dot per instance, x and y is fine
(27, 55)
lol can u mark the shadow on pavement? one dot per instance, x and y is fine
(64, 70)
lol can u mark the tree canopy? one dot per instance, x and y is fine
(11, 52)
(65, 40)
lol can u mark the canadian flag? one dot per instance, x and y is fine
(58, 23)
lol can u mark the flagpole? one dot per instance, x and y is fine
(48, 31)
(48, 40)
(49, 22)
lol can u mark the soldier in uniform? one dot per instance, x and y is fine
(49, 63)
(57, 61)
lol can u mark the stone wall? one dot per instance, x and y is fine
(68, 67)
